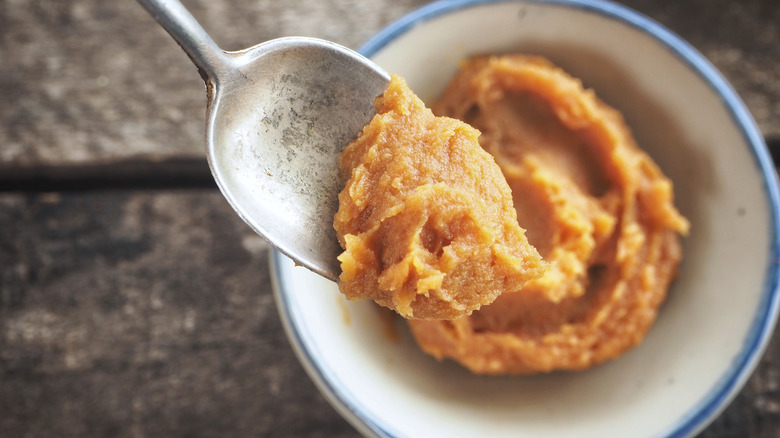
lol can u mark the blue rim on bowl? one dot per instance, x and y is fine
(754, 344)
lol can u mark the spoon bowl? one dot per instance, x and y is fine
(278, 116)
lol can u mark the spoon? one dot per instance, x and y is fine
(278, 115)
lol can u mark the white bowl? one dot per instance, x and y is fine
(720, 312)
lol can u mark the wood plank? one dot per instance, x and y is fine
(90, 80)
(151, 314)
(137, 314)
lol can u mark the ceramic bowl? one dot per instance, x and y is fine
(720, 312)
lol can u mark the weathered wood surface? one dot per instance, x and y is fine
(90, 79)
(142, 313)
(151, 314)
(94, 79)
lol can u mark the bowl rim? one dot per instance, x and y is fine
(729, 384)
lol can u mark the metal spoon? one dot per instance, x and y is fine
(278, 115)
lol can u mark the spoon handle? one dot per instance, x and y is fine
(212, 61)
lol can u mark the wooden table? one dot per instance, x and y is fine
(133, 301)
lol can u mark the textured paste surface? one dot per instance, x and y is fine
(595, 206)
(426, 217)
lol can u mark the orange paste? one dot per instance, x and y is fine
(431, 228)
(426, 216)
